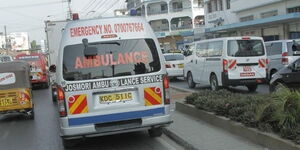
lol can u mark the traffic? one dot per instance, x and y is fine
(112, 79)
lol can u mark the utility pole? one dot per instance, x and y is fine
(70, 11)
(6, 41)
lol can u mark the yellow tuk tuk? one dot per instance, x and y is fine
(15, 89)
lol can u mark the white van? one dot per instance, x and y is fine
(111, 79)
(280, 54)
(231, 61)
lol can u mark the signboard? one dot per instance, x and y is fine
(7, 78)
(19, 41)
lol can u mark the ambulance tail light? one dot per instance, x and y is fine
(225, 65)
(166, 90)
(284, 59)
(61, 102)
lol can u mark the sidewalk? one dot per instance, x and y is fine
(203, 136)
(197, 134)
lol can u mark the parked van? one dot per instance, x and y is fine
(38, 68)
(280, 54)
(111, 78)
(231, 61)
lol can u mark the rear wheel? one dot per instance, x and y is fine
(30, 115)
(46, 85)
(155, 132)
(252, 88)
(214, 85)
(276, 85)
(272, 73)
(190, 80)
(70, 143)
(53, 93)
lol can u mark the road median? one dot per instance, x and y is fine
(268, 140)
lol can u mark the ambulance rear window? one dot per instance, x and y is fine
(113, 59)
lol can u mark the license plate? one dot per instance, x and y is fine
(6, 102)
(116, 97)
(180, 65)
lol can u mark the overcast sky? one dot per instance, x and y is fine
(29, 15)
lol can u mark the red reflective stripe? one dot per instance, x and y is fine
(232, 64)
(261, 63)
(150, 99)
(80, 108)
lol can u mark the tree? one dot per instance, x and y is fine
(33, 44)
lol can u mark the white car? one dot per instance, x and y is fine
(174, 64)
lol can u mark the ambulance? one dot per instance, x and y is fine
(111, 79)
(229, 61)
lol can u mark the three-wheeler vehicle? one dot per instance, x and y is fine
(15, 89)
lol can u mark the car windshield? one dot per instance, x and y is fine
(174, 57)
(113, 59)
(245, 48)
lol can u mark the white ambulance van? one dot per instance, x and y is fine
(231, 61)
(111, 79)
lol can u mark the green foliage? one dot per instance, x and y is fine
(278, 112)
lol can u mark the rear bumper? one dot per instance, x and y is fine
(238, 82)
(92, 131)
(175, 72)
(16, 111)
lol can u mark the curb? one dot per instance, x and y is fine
(268, 140)
(182, 89)
(175, 137)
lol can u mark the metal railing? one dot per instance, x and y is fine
(174, 27)
(181, 9)
(157, 12)
(159, 29)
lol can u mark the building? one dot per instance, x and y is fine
(19, 41)
(270, 19)
(2, 41)
(121, 12)
(174, 22)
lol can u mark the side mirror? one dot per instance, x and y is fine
(52, 68)
(296, 46)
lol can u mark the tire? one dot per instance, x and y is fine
(271, 74)
(31, 115)
(190, 80)
(53, 95)
(155, 132)
(252, 88)
(214, 85)
(274, 87)
(69, 143)
(46, 85)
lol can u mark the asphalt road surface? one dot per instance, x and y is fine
(17, 133)
(181, 83)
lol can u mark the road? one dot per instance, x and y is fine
(42, 133)
(180, 82)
